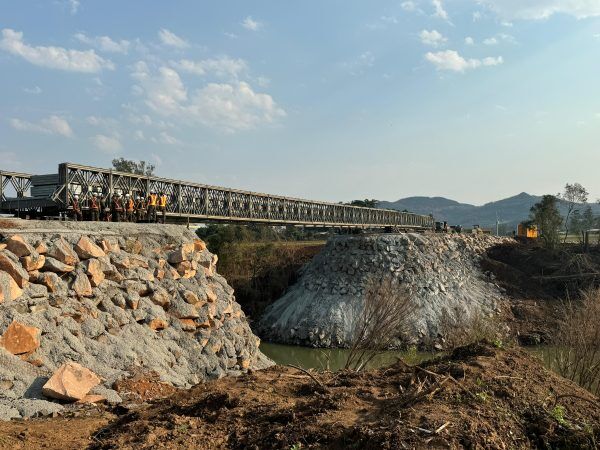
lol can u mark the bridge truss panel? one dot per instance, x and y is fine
(199, 201)
(19, 182)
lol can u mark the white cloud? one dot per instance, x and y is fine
(495, 40)
(74, 4)
(105, 43)
(53, 57)
(543, 9)
(231, 35)
(105, 122)
(34, 90)
(433, 38)
(232, 107)
(409, 6)
(171, 39)
(50, 125)
(164, 92)
(469, 40)
(224, 106)
(451, 60)
(250, 24)
(167, 139)
(107, 144)
(506, 24)
(138, 135)
(221, 67)
(477, 16)
(362, 62)
(440, 12)
(263, 82)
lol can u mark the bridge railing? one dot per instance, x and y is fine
(194, 200)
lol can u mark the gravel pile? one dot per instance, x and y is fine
(117, 299)
(441, 273)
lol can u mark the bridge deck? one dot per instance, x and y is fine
(195, 201)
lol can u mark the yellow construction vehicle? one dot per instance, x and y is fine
(527, 231)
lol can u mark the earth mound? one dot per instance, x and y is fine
(480, 396)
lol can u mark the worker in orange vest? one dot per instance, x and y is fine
(129, 209)
(162, 206)
(152, 202)
(76, 208)
(140, 209)
(116, 208)
(94, 208)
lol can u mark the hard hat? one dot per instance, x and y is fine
(94, 194)
(76, 196)
(126, 195)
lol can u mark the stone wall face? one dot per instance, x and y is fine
(441, 273)
(116, 299)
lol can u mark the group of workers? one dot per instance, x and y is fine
(120, 208)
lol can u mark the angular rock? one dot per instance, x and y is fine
(183, 253)
(56, 266)
(14, 269)
(199, 245)
(70, 382)
(62, 251)
(33, 262)
(51, 280)
(41, 248)
(87, 249)
(18, 246)
(188, 324)
(81, 285)
(19, 339)
(9, 289)
(161, 298)
(110, 247)
(210, 295)
(158, 324)
(190, 297)
(183, 310)
(93, 268)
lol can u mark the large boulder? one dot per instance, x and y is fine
(93, 268)
(33, 262)
(70, 382)
(9, 289)
(81, 285)
(63, 252)
(87, 249)
(18, 246)
(54, 265)
(20, 339)
(10, 264)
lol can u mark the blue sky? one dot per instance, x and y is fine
(470, 99)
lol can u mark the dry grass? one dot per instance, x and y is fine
(576, 348)
(384, 318)
(459, 330)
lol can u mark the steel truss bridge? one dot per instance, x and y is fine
(197, 202)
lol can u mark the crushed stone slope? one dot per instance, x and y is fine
(117, 299)
(441, 273)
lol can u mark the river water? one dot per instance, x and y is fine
(334, 358)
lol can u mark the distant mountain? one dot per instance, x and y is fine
(510, 211)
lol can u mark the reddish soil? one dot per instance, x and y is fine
(143, 387)
(478, 397)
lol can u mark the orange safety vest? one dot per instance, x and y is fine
(130, 205)
(94, 203)
(163, 200)
(152, 201)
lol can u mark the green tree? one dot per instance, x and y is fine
(573, 195)
(548, 219)
(588, 220)
(576, 222)
(130, 166)
(366, 203)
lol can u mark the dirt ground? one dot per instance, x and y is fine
(480, 396)
(537, 282)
